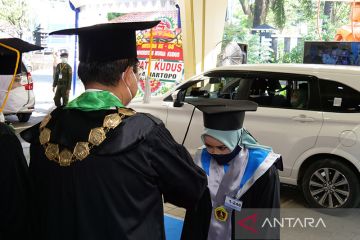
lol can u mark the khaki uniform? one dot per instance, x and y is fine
(62, 82)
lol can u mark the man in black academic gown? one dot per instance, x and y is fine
(100, 170)
(242, 174)
(14, 175)
(14, 187)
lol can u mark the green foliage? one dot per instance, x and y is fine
(236, 31)
(309, 8)
(278, 7)
(289, 16)
(294, 56)
(258, 53)
(14, 17)
(113, 15)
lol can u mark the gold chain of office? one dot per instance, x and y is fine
(82, 149)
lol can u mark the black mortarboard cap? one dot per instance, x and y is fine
(8, 57)
(108, 41)
(18, 44)
(223, 114)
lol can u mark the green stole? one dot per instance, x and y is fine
(95, 100)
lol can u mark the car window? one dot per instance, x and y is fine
(281, 92)
(337, 97)
(214, 87)
(267, 89)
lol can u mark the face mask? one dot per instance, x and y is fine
(127, 87)
(222, 159)
(64, 60)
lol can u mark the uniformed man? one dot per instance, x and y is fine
(62, 81)
(99, 169)
(241, 173)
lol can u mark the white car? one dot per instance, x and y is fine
(316, 134)
(21, 100)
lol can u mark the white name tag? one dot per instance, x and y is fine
(60, 76)
(233, 203)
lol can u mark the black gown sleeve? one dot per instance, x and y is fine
(14, 187)
(197, 219)
(265, 193)
(181, 181)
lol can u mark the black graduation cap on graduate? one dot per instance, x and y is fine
(223, 114)
(108, 41)
(8, 57)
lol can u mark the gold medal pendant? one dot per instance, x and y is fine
(126, 111)
(44, 136)
(81, 150)
(97, 136)
(221, 214)
(112, 121)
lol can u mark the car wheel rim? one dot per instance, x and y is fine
(329, 188)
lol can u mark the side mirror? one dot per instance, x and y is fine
(177, 98)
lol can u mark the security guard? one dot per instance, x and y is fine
(62, 81)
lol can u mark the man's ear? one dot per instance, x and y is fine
(127, 76)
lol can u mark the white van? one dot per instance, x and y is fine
(318, 138)
(21, 100)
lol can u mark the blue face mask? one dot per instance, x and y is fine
(222, 159)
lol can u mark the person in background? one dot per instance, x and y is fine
(14, 187)
(101, 170)
(241, 173)
(62, 81)
(299, 96)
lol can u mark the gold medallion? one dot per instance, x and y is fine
(97, 136)
(112, 120)
(221, 214)
(81, 150)
(45, 136)
(45, 121)
(52, 151)
(126, 111)
(65, 158)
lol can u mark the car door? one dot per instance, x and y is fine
(288, 128)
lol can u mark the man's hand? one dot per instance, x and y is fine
(67, 92)
(54, 89)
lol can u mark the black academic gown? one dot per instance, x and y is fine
(14, 187)
(264, 193)
(116, 192)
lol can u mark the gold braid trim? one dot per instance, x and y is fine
(65, 157)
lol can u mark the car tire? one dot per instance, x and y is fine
(23, 117)
(329, 183)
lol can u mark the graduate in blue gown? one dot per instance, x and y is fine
(241, 173)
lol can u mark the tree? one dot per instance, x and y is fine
(257, 12)
(113, 15)
(14, 18)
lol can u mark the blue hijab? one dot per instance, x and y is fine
(233, 138)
